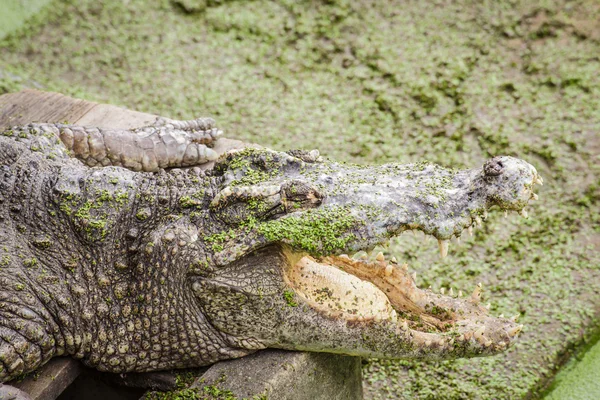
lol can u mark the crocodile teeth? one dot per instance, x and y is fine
(515, 331)
(442, 290)
(505, 214)
(523, 213)
(460, 293)
(380, 256)
(451, 292)
(539, 180)
(405, 326)
(478, 220)
(394, 260)
(388, 270)
(534, 196)
(476, 295)
(479, 333)
(485, 214)
(488, 306)
(405, 267)
(501, 316)
(488, 343)
(414, 276)
(428, 343)
(515, 318)
(443, 248)
(470, 230)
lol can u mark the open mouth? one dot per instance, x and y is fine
(377, 290)
(372, 292)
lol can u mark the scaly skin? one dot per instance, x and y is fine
(140, 271)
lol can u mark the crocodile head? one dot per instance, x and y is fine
(278, 274)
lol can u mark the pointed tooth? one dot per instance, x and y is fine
(344, 256)
(470, 229)
(485, 214)
(414, 276)
(451, 292)
(380, 256)
(394, 260)
(443, 244)
(476, 295)
(442, 290)
(505, 213)
(523, 213)
(479, 332)
(451, 342)
(515, 317)
(461, 338)
(460, 293)
(442, 342)
(478, 220)
(404, 326)
(488, 343)
(534, 196)
(458, 239)
(515, 330)
(388, 270)
(468, 335)
(428, 343)
(488, 306)
(501, 316)
(363, 256)
(405, 267)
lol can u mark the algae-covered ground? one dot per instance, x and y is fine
(453, 82)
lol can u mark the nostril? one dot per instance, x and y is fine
(493, 167)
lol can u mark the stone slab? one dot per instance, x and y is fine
(288, 375)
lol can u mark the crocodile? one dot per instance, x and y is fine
(113, 253)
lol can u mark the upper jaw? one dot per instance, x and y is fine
(438, 202)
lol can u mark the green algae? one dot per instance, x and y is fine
(579, 379)
(320, 231)
(376, 82)
(15, 13)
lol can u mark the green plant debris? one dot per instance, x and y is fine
(289, 296)
(319, 231)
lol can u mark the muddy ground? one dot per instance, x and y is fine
(453, 82)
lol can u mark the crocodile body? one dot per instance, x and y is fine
(109, 258)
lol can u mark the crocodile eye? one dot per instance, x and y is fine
(493, 167)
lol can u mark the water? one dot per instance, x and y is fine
(580, 378)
